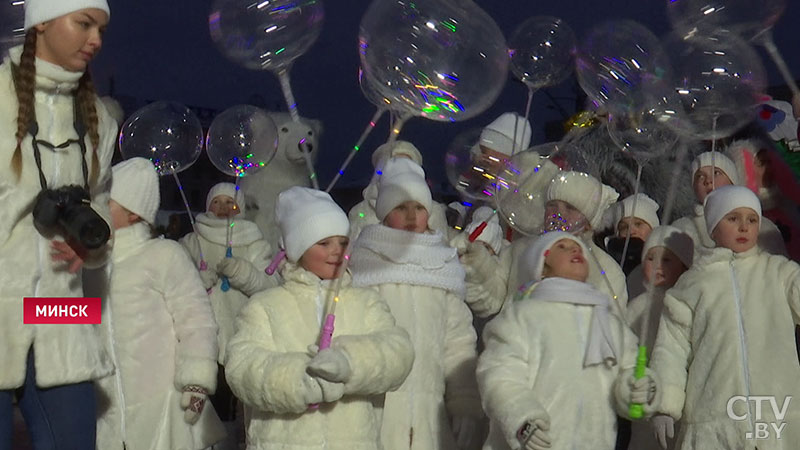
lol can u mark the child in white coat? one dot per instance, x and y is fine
(271, 363)
(553, 356)
(244, 271)
(711, 173)
(667, 254)
(160, 330)
(422, 280)
(727, 330)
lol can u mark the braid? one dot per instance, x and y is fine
(86, 97)
(25, 82)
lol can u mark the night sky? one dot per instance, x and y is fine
(161, 50)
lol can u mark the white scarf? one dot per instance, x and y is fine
(385, 255)
(600, 348)
(215, 229)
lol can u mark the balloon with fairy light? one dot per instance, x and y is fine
(719, 79)
(441, 60)
(751, 21)
(12, 24)
(168, 134)
(241, 141)
(268, 35)
(616, 63)
(473, 174)
(542, 51)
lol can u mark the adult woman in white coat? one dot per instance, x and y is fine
(160, 330)
(54, 133)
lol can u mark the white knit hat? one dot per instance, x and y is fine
(721, 161)
(532, 262)
(499, 135)
(402, 180)
(492, 235)
(725, 199)
(38, 11)
(134, 185)
(584, 192)
(228, 189)
(646, 209)
(680, 243)
(306, 216)
(389, 150)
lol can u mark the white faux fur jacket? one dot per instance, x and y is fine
(162, 337)
(64, 354)
(267, 359)
(727, 329)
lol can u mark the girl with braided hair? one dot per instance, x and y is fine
(56, 143)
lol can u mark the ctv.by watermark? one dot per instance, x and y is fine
(761, 429)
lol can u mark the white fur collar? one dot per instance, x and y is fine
(50, 77)
(128, 240)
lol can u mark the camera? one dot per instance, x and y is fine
(69, 207)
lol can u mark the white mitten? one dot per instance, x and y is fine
(533, 436)
(331, 364)
(643, 390)
(193, 400)
(230, 266)
(664, 427)
(312, 392)
(331, 391)
(209, 277)
(464, 430)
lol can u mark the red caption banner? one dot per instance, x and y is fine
(61, 310)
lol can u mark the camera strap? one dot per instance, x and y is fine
(80, 128)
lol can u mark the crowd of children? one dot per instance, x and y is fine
(367, 335)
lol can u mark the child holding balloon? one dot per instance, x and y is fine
(242, 269)
(160, 329)
(423, 282)
(554, 355)
(273, 363)
(727, 330)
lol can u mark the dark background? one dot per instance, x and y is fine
(161, 50)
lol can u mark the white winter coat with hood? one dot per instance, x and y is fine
(162, 336)
(423, 283)
(64, 354)
(535, 366)
(727, 329)
(267, 359)
(211, 243)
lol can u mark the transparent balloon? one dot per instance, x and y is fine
(644, 135)
(242, 140)
(442, 60)
(12, 23)
(542, 51)
(526, 178)
(167, 133)
(560, 215)
(617, 62)
(719, 79)
(569, 157)
(471, 171)
(265, 34)
(371, 93)
(746, 18)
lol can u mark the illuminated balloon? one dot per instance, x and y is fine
(441, 60)
(265, 34)
(469, 171)
(167, 133)
(542, 51)
(242, 140)
(643, 135)
(12, 22)
(527, 175)
(720, 80)
(371, 92)
(617, 62)
(743, 17)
